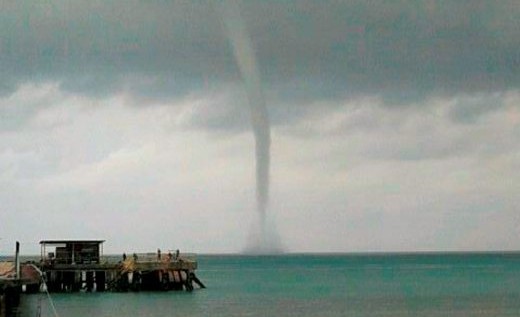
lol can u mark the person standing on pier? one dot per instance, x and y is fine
(158, 254)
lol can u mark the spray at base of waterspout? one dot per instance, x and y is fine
(263, 237)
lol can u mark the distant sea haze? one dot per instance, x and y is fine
(436, 284)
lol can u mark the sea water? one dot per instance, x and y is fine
(319, 285)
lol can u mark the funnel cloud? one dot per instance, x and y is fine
(263, 237)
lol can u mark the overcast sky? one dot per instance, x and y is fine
(395, 125)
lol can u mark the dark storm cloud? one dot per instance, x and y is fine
(307, 50)
(95, 47)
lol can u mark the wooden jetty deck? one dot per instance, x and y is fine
(8, 288)
(128, 265)
(77, 265)
(10, 284)
(122, 276)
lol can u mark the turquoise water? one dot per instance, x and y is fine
(321, 285)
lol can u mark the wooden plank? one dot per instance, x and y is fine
(138, 266)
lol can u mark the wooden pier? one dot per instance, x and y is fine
(10, 285)
(77, 265)
(9, 296)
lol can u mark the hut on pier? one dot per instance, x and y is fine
(71, 251)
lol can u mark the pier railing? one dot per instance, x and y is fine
(148, 257)
(112, 258)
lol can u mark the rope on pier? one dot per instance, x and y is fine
(46, 291)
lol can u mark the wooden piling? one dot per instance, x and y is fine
(9, 298)
(100, 281)
(90, 281)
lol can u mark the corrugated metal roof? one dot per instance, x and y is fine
(70, 241)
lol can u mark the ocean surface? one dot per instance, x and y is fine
(319, 285)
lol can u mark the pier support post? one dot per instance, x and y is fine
(177, 281)
(17, 260)
(90, 281)
(76, 281)
(69, 279)
(188, 282)
(100, 281)
(136, 281)
(11, 299)
(165, 280)
(195, 279)
(122, 284)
